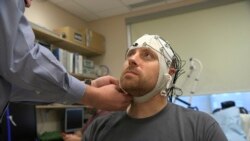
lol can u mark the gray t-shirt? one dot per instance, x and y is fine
(173, 123)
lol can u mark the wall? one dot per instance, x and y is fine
(50, 16)
(218, 37)
(223, 55)
(115, 31)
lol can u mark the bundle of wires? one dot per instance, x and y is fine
(178, 64)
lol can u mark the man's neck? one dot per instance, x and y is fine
(148, 108)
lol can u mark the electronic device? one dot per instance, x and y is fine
(73, 119)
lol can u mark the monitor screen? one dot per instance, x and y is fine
(73, 119)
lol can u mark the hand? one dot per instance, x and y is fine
(71, 137)
(104, 80)
(27, 3)
(107, 98)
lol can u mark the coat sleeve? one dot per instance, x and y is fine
(31, 68)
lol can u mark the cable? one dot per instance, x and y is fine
(8, 124)
(177, 64)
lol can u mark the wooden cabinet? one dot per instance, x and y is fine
(19, 123)
(87, 44)
(56, 39)
(94, 41)
(51, 117)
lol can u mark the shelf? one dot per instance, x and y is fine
(82, 77)
(53, 38)
(58, 106)
(45, 34)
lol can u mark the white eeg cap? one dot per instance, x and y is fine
(165, 55)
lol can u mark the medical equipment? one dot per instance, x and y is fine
(195, 68)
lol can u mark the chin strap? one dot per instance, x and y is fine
(160, 87)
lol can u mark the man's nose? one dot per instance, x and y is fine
(133, 60)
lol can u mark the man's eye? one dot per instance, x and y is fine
(147, 55)
(130, 53)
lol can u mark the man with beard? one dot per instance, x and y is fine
(151, 68)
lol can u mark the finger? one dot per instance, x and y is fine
(113, 80)
(120, 89)
(28, 3)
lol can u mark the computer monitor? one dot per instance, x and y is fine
(73, 119)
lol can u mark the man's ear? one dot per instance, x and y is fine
(172, 71)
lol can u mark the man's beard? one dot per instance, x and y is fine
(135, 87)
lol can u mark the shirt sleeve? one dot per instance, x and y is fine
(213, 131)
(31, 68)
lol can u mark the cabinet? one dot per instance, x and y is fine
(94, 41)
(49, 116)
(23, 125)
(56, 39)
(85, 38)
(91, 46)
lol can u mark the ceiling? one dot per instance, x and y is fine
(90, 10)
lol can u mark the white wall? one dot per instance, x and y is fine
(219, 37)
(48, 15)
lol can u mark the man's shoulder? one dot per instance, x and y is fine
(111, 116)
(104, 122)
(193, 114)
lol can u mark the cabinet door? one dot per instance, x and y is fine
(24, 116)
(95, 41)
